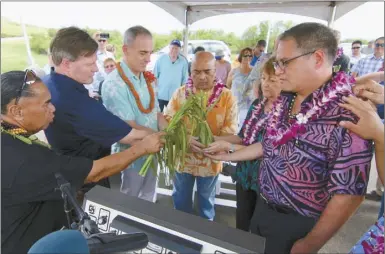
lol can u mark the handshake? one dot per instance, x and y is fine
(214, 150)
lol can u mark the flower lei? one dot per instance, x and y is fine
(340, 52)
(218, 88)
(252, 129)
(149, 77)
(281, 133)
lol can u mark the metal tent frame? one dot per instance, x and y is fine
(189, 12)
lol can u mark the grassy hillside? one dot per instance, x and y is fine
(13, 29)
(14, 56)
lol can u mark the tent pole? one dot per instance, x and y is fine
(267, 36)
(332, 14)
(185, 33)
(31, 62)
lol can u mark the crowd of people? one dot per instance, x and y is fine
(295, 120)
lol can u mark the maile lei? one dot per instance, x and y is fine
(22, 135)
(214, 98)
(280, 132)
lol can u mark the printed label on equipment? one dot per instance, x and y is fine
(104, 219)
(91, 209)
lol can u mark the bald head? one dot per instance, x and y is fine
(203, 70)
(203, 58)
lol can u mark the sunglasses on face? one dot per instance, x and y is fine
(356, 47)
(109, 66)
(29, 79)
(102, 40)
(247, 56)
(379, 45)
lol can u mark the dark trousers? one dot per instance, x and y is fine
(246, 201)
(280, 229)
(162, 104)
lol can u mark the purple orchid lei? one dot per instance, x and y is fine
(340, 52)
(252, 129)
(340, 85)
(218, 88)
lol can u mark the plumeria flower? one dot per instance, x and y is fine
(302, 119)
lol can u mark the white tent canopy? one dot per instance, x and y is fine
(190, 12)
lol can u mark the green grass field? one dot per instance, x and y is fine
(13, 29)
(14, 56)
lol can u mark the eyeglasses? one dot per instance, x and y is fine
(247, 56)
(283, 64)
(379, 45)
(102, 40)
(109, 66)
(356, 47)
(29, 79)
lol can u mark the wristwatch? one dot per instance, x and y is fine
(232, 148)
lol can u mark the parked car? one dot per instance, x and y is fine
(209, 45)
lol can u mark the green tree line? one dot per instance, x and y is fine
(40, 41)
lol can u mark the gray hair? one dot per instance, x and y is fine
(311, 36)
(131, 33)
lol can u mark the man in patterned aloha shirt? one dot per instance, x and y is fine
(313, 183)
(128, 93)
(222, 120)
(314, 173)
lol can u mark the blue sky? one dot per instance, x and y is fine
(367, 21)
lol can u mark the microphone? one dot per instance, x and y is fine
(112, 243)
(61, 242)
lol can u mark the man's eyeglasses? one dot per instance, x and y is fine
(29, 79)
(282, 64)
(247, 56)
(102, 40)
(356, 47)
(379, 45)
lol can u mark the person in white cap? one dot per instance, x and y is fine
(223, 67)
(171, 72)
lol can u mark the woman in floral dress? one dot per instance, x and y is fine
(247, 171)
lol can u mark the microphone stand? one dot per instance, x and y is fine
(85, 224)
(97, 242)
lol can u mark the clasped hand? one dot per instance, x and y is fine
(214, 150)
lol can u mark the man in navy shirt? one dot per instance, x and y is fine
(82, 126)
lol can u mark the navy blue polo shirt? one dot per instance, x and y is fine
(82, 126)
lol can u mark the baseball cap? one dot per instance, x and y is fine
(176, 43)
(219, 52)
